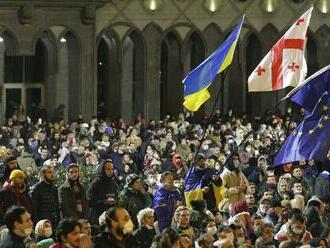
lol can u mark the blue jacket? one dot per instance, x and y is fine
(164, 205)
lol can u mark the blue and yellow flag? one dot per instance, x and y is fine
(199, 79)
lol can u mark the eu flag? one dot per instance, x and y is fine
(311, 139)
(199, 79)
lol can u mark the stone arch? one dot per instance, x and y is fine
(108, 74)
(322, 37)
(270, 35)
(171, 90)
(45, 55)
(10, 42)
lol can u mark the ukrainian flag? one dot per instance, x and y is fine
(199, 79)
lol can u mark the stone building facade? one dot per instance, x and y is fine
(121, 58)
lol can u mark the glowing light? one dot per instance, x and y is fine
(152, 5)
(1, 39)
(270, 5)
(212, 5)
(63, 40)
(323, 6)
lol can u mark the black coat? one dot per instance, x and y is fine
(9, 198)
(98, 191)
(106, 240)
(67, 201)
(11, 240)
(45, 204)
(144, 236)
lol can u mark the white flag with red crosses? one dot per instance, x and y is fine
(284, 65)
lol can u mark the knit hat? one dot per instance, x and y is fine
(131, 179)
(16, 173)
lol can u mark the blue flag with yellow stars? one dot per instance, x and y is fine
(311, 139)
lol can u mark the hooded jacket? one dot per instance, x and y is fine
(101, 188)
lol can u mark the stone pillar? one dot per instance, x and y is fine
(127, 79)
(62, 78)
(152, 95)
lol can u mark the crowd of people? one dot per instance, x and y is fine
(141, 172)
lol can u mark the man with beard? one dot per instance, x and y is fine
(120, 232)
(167, 198)
(19, 223)
(14, 193)
(103, 191)
(72, 195)
(44, 197)
(67, 234)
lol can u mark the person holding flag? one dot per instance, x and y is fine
(202, 183)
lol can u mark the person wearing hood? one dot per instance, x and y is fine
(10, 165)
(264, 210)
(102, 193)
(175, 165)
(313, 212)
(134, 197)
(322, 186)
(198, 214)
(72, 195)
(14, 193)
(234, 182)
(25, 161)
(167, 198)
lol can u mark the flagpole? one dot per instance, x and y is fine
(211, 115)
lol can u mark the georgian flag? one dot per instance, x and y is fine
(284, 65)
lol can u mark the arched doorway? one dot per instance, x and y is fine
(171, 90)
(24, 78)
(108, 79)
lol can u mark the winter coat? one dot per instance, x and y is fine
(106, 240)
(67, 201)
(134, 201)
(231, 180)
(164, 204)
(26, 162)
(304, 183)
(322, 187)
(45, 204)
(9, 197)
(285, 234)
(313, 223)
(101, 188)
(144, 236)
(11, 240)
